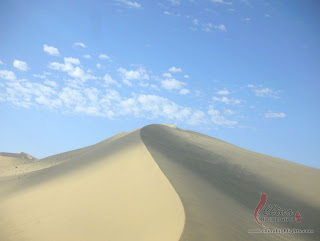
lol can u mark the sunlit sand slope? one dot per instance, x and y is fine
(220, 185)
(109, 191)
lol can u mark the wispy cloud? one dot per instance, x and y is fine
(20, 65)
(221, 27)
(87, 56)
(172, 84)
(79, 44)
(41, 76)
(274, 115)
(221, 2)
(130, 4)
(71, 66)
(104, 56)
(167, 75)
(7, 75)
(184, 91)
(174, 2)
(195, 21)
(210, 27)
(167, 13)
(218, 119)
(108, 80)
(226, 100)
(174, 69)
(1, 63)
(24, 93)
(67, 89)
(264, 92)
(128, 75)
(51, 50)
(223, 92)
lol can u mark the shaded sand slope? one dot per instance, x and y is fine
(220, 185)
(109, 191)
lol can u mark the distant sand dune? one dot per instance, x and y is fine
(156, 183)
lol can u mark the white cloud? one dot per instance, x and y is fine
(79, 44)
(184, 91)
(186, 76)
(104, 57)
(98, 66)
(20, 65)
(71, 96)
(109, 81)
(167, 13)
(40, 76)
(7, 75)
(87, 56)
(51, 50)
(167, 75)
(24, 93)
(210, 27)
(266, 92)
(226, 100)
(223, 92)
(198, 117)
(274, 115)
(221, 27)
(127, 82)
(218, 119)
(1, 63)
(70, 66)
(51, 83)
(229, 112)
(221, 2)
(130, 4)
(172, 84)
(128, 75)
(71, 60)
(195, 21)
(174, 69)
(106, 102)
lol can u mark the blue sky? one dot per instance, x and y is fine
(244, 71)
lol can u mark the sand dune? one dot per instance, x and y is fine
(112, 191)
(154, 183)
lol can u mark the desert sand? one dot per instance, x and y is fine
(158, 182)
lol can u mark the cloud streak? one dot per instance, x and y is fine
(130, 4)
(274, 115)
